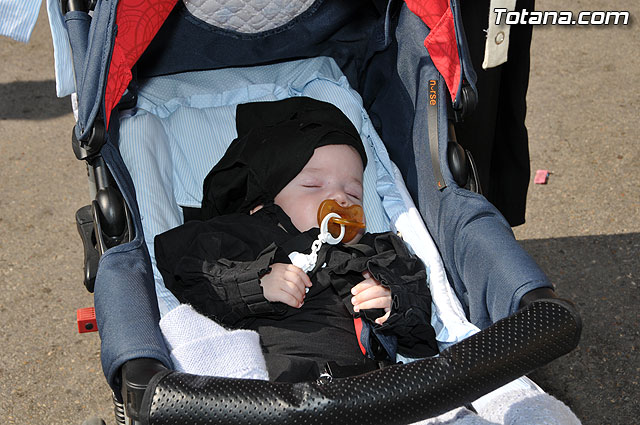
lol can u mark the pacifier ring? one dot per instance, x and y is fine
(324, 229)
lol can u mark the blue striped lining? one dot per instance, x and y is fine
(63, 63)
(18, 18)
(185, 122)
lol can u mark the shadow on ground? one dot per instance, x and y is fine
(32, 100)
(599, 380)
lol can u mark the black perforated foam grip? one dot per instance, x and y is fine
(532, 337)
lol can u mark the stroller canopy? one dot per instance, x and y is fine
(137, 23)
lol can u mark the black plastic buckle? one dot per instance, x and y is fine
(474, 179)
(461, 164)
(335, 370)
(96, 239)
(112, 221)
(468, 102)
(84, 222)
(77, 5)
(85, 149)
(106, 223)
(344, 371)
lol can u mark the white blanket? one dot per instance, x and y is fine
(200, 346)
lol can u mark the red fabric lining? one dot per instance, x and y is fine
(357, 322)
(441, 41)
(137, 21)
(430, 11)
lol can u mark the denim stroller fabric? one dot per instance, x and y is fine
(486, 266)
(124, 295)
(91, 40)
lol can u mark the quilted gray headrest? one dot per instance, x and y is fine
(247, 16)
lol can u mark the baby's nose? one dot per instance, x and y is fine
(342, 199)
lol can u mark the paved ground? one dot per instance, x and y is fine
(583, 227)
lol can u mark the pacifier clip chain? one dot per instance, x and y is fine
(308, 261)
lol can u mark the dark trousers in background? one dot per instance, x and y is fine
(495, 132)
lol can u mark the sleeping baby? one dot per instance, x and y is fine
(358, 304)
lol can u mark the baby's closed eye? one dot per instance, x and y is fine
(311, 182)
(355, 194)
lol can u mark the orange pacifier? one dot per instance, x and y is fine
(341, 221)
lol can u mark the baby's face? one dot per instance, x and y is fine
(333, 172)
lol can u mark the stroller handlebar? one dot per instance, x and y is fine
(532, 337)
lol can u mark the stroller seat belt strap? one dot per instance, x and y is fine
(433, 133)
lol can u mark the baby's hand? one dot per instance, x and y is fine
(371, 294)
(285, 283)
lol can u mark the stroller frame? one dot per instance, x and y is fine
(145, 387)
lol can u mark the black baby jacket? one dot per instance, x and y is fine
(216, 266)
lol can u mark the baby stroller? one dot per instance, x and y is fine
(149, 73)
